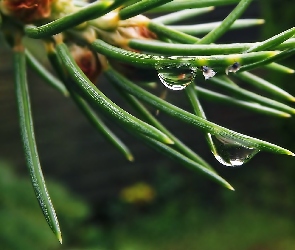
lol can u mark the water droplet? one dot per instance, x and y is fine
(230, 152)
(176, 77)
(208, 72)
(233, 68)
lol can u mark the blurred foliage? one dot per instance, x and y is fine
(259, 216)
(178, 226)
(22, 222)
(278, 16)
(256, 217)
(139, 193)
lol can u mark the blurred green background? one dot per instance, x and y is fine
(104, 202)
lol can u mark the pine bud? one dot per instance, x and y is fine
(27, 11)
(87, 61)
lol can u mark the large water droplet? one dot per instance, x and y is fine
(176, 77)
(230, 152)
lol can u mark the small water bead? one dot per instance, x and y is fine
(176, 77)
(233, 68)
(232, 153)
(208, 72)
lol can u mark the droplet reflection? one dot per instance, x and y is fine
(176, 77)
(230, 152)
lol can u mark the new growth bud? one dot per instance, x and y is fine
(27, 11)
(87, 61)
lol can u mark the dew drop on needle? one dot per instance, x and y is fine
(231, 153)
(233, 68)
(176, 77)
(208, 72)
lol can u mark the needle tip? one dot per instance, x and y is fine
(167, 140)
(59, 237)
(286, 115)
(130, 157)
(230, 187)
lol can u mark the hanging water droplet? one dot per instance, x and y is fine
(230, 152)
(208, 72)
(233, 68)
(176, 77)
